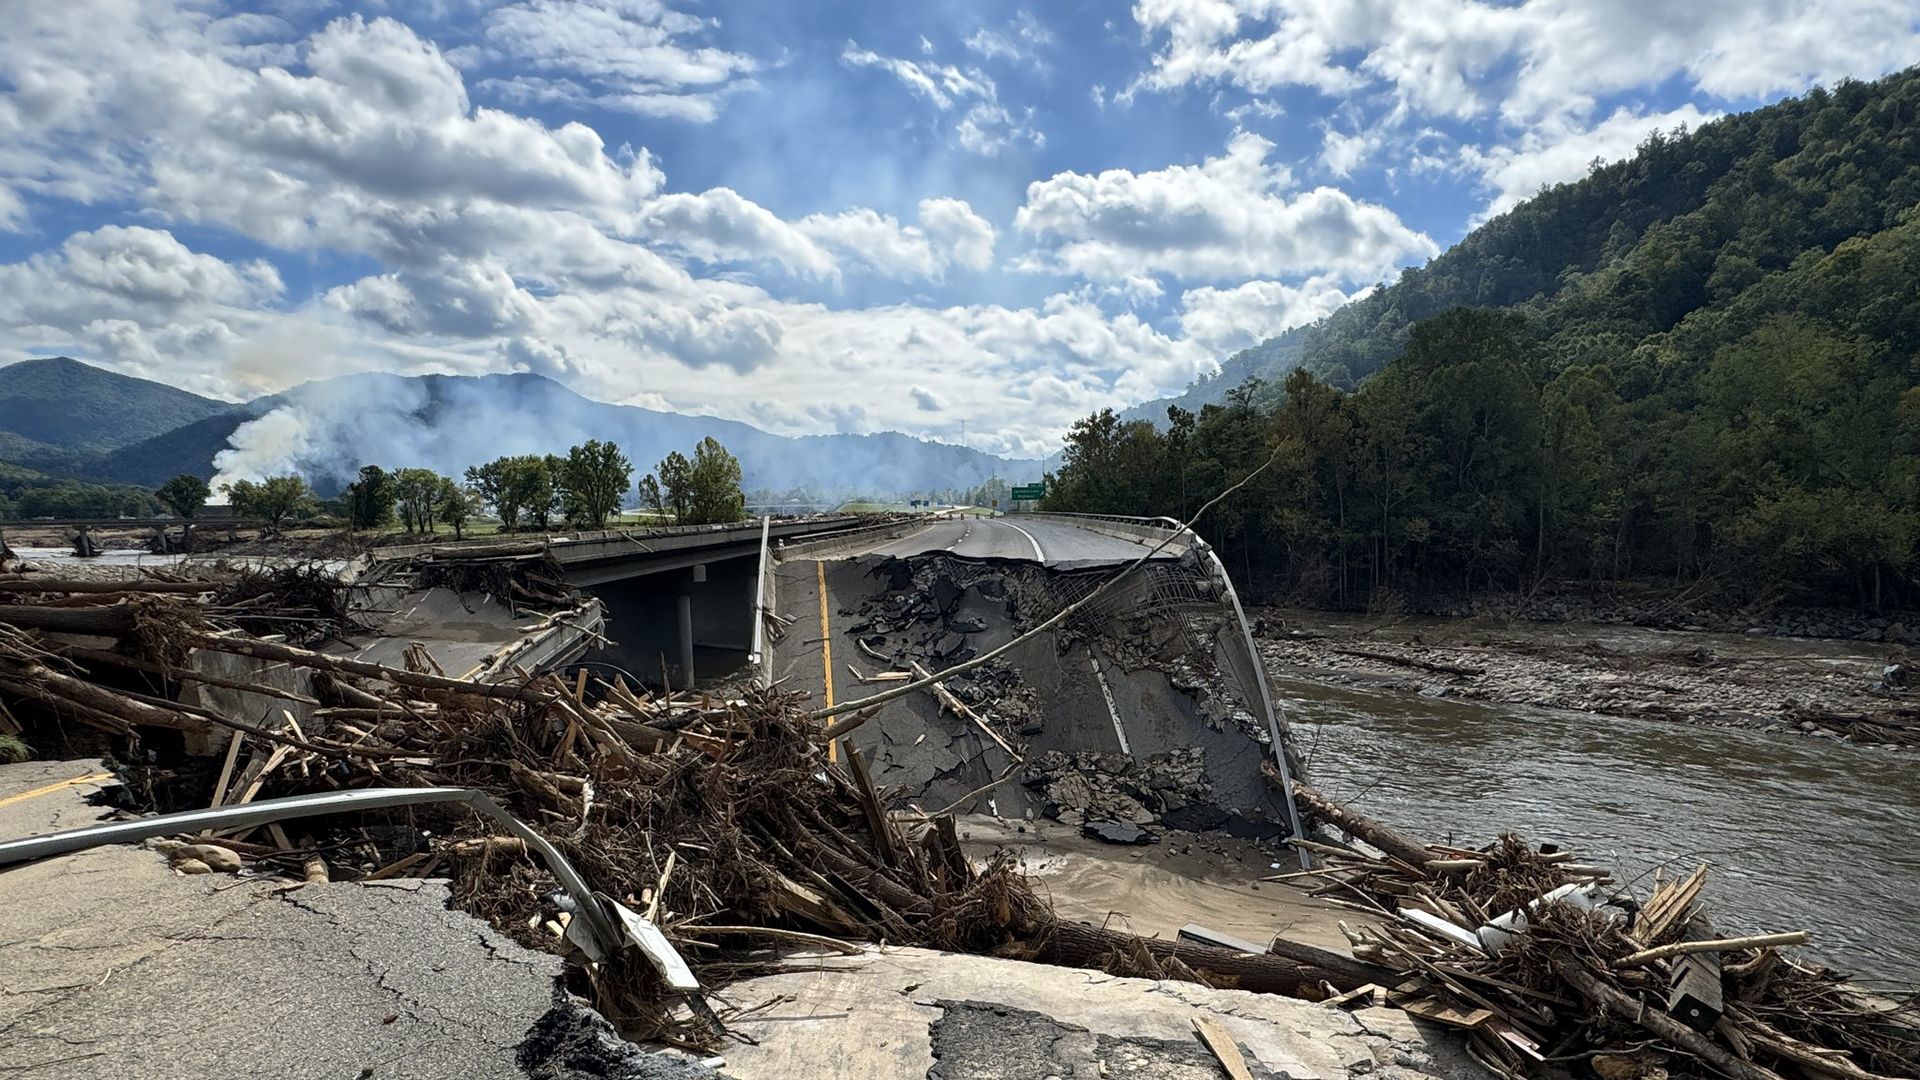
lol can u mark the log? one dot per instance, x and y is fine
(42, 683)
(38, 584)
(341, 665)
(1073, 944)
(181, 674)
(1618, 1004)
(1350, 970)
(1320, 808)
(106, 620)
(1682, 948)
(1408, 661)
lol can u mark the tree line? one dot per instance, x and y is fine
(584, 488)
(1787, 464)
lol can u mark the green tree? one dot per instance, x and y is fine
(184, 495)
(417, 493)
(275, 500)
(456, 506)
(370, 499)
(676, 483)
(651, 496)
(715, 496)
(597, 478)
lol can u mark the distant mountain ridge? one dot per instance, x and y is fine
(327, 429)
(62, 403)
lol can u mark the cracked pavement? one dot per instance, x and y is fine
(113, 965)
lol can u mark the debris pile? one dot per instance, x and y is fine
(1542, 961)
(725, 824)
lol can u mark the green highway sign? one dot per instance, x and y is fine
(1029, 492)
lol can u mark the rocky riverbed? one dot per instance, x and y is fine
(1866, 695)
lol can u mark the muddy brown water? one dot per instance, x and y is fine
(1801, 832)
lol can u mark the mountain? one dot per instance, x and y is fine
(1698, 368)
(326, 430)
(61, 404)
(1625, 257)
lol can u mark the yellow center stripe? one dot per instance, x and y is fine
(826, 651)
(90, 778)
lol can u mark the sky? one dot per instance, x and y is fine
(969, 220)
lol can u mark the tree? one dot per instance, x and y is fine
(456, 506)
(184, 495)
(597, 476)
(418, 492)
(676, 482)
(275, 500)
(370, 499)
(651, 495)
(714, 479)
(489, 484)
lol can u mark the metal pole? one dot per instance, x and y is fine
(757, 657)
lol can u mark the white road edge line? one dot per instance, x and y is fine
(1038, 555)
(1112, 712)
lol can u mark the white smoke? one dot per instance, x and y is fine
(326, 431)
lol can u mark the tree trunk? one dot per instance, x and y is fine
(1074, 944)
(106, 620)
(1320, 808)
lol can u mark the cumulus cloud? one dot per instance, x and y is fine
(1561, 152)
(639, 57)
(1228, 218)
(1525, 61)
(1228, 320)
(985, 127)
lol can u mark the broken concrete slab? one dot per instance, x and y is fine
(886, 1012)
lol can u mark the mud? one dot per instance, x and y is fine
(1865, 695)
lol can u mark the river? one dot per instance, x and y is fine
(1800, 832)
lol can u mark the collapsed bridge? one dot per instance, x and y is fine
(1145, 710)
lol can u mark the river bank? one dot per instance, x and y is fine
(1859, 694)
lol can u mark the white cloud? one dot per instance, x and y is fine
(1341, 153)
(1526, 61)
(630, 55)
(1227, 218)
(1021, 40)
(1228, 320)
(1560, 152)
(986, 128)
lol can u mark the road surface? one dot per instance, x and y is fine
(1035, 539)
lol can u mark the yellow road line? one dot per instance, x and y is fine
(826, 651)
(90, 778)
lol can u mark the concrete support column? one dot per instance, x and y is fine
(695, 576)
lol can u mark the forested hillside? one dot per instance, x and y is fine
(1699, 362)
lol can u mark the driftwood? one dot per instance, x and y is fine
(1320, 808)
(105, 620)
(1074, 944)
(1413, 662)
(38, 584)
(1615, 1003)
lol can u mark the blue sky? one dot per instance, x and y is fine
(809, 216)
